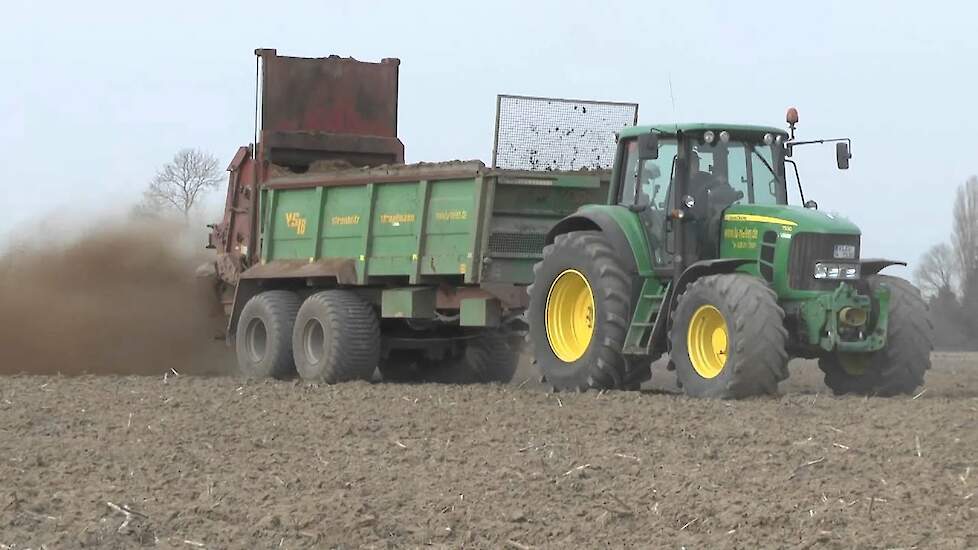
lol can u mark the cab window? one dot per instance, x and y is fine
(768, 186)
(654, 175)
(744, 168)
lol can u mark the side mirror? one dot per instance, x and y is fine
(648, 146)
(842, 155)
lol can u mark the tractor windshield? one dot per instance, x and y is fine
(747, 169)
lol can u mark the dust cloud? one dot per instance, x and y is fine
(122, 298)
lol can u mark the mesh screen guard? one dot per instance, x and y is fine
(547, 134)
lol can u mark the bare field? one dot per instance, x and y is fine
(212, 462)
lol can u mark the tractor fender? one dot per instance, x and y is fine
(600, 220)
(693, 272)
(702, 269)
(872, 266)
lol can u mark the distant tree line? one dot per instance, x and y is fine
(948, 275)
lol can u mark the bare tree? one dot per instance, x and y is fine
(181, 182)
(965, 232)
(964, 239)
(937, 270)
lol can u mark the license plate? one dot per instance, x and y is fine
(844, 252)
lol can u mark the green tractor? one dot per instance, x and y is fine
(698, 255)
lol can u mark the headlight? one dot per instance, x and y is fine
(827, 270)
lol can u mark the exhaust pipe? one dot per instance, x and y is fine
(853, 316)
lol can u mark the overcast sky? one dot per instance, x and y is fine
(94, 96)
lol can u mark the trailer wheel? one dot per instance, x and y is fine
(728, 338)
(263, 340)
(402, 366)
(578, 313)
(488, 357)
(336, 338)
(900, 366)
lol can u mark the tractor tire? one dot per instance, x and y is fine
(898, 368)
(639, 371)
(263, 339)
(336, 338)
(579, 312)
(486, 358)
(728, 338)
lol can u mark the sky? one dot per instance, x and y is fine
(95, 96)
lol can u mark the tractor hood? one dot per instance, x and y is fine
(793, 219)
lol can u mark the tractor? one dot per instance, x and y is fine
(698, 254)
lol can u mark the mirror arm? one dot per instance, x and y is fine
(833, 140)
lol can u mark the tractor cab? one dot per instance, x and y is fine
(693, 173)
(684, 180)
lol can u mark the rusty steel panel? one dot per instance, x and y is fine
(301, 148)
(511, 296)
(330, 94)
(312, 109)
(344, 270)
(236, 236)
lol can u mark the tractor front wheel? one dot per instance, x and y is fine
(728, 338)
(899, 367)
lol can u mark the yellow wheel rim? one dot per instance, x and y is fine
(570, 315)
(707, 341)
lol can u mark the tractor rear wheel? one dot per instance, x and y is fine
(336, 338)
(728, 338)
(579, 312)
(263, 340)
(900, 366)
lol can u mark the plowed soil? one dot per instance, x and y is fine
(189, 462)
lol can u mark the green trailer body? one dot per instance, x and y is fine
(456, 225)
(437, 255)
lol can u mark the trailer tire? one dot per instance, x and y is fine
(898, 368)
(597, 289)
(402, 366)
(263, 340)
(728, 338)
(336, 338)
(486, 358)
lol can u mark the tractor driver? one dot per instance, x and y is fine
(712, 194)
